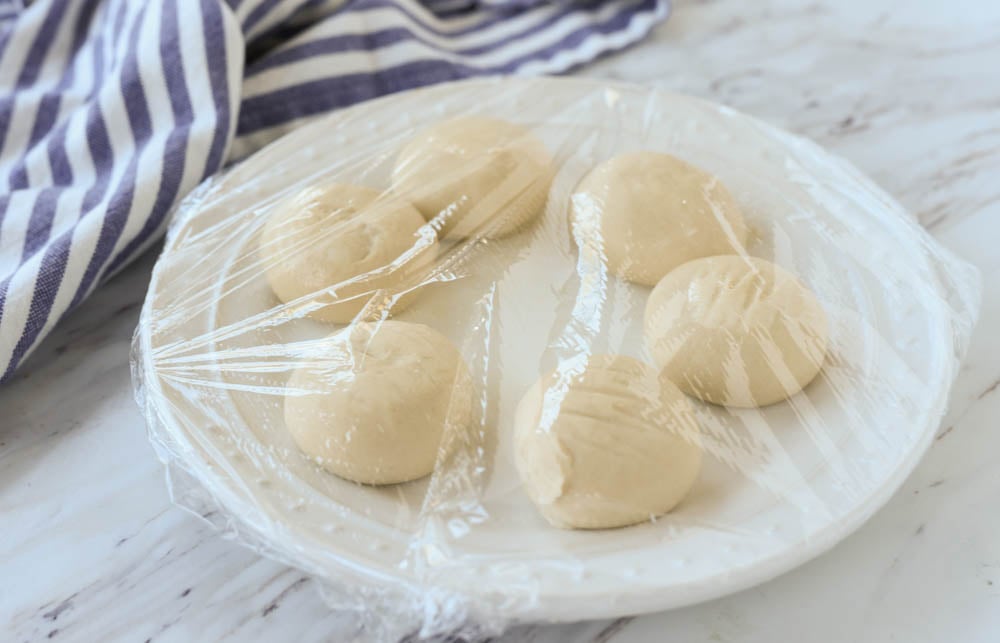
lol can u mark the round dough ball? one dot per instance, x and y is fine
(735, 330)
(650, 212)
(348, 237)
(474, 176)
(605, 443)
(373, 404)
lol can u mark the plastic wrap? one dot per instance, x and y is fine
(464, 549)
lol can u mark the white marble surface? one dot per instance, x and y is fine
(92, 550)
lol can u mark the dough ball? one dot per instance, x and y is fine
(346, 238)
(605, 443)
(474, 176)
(737, 331)
(372, 405)
(651, 212)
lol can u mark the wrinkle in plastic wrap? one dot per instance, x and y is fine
(463, 549)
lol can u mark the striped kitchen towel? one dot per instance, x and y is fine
(112, 110)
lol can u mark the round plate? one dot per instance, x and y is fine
(780, 484)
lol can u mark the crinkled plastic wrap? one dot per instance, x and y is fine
(464, 549)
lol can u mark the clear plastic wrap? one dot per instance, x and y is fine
(464, 549)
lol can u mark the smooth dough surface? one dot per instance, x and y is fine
(606, 444)
(651, 212)
(736, 331)
(474, 176)
(348, 237)
(373, 404)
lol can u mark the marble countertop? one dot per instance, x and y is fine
(91, 548)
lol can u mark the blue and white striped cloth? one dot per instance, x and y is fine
(112, 110)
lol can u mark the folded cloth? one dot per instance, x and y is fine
(112, 110)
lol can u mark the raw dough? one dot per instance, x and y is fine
(348, 237)
(736, 330)
(373, 403)
(649, 212)
(605, 442)
(475, 176)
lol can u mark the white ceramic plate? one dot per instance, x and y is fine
(780, 485)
